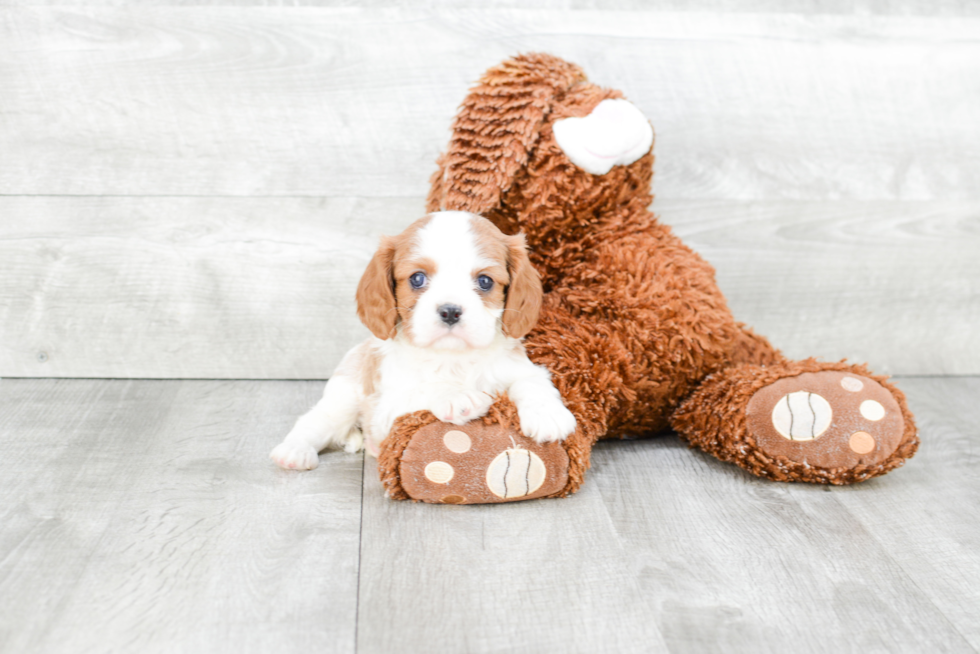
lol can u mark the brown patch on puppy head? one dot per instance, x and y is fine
(496, 296)
(517, 284)
(406, 296)
(491, 244)
(378, 298)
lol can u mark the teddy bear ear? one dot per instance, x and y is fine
(496, 128)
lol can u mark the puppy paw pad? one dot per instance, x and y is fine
(290, 456)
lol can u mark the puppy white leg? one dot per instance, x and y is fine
(459, 407)
(543, 415)
(331, 422)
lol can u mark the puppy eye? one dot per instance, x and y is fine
(484, 282)
(417, 280)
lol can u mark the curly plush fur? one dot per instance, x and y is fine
(634, 329)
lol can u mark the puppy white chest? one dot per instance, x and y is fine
(415, 375)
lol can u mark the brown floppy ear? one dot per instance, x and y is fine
(376, 292)
(523, 303)
(495, 130)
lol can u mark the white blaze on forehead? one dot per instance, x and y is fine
(448, 240)
(615, 133)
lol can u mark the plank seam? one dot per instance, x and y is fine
(360, 554)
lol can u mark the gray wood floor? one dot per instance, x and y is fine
(143, 516)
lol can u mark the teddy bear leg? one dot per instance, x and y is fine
(829, 423)
(485, 461)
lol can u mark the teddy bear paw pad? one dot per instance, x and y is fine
(478, 463)
(827, 419)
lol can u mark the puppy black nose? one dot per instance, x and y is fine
(449, 313)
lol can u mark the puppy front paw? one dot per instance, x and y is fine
(295, 456)
(354, 442)
(547, 422)
(460, 409)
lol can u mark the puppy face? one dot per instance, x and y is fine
(452, 280)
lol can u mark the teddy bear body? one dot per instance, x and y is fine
(636, 333)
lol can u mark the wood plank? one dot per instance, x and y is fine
(894, 284)
(697, 554)
(730, 562)
(186, 287)
(804, 7)
(264, 287)
(539, 576)
(927, 514)
(336, 101)
(144, 516)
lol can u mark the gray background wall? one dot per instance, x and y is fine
(193, 191)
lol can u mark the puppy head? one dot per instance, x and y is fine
(452, 280)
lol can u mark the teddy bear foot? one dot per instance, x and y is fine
(828, 423)
(479, 464)
(827, 419)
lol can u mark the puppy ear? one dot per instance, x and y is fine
(523, 303)
(376, 292)
(495, 130)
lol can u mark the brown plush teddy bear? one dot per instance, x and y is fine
(633, 328)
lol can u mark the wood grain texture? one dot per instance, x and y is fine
(667, 549)
(538, 576)
(893, 284)
(940, 554)
(185, 287)
(734, 563)
(264, 287)
(146, 517)
(805, 7)
(339, 101)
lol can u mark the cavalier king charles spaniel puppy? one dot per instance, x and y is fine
(447, 301)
